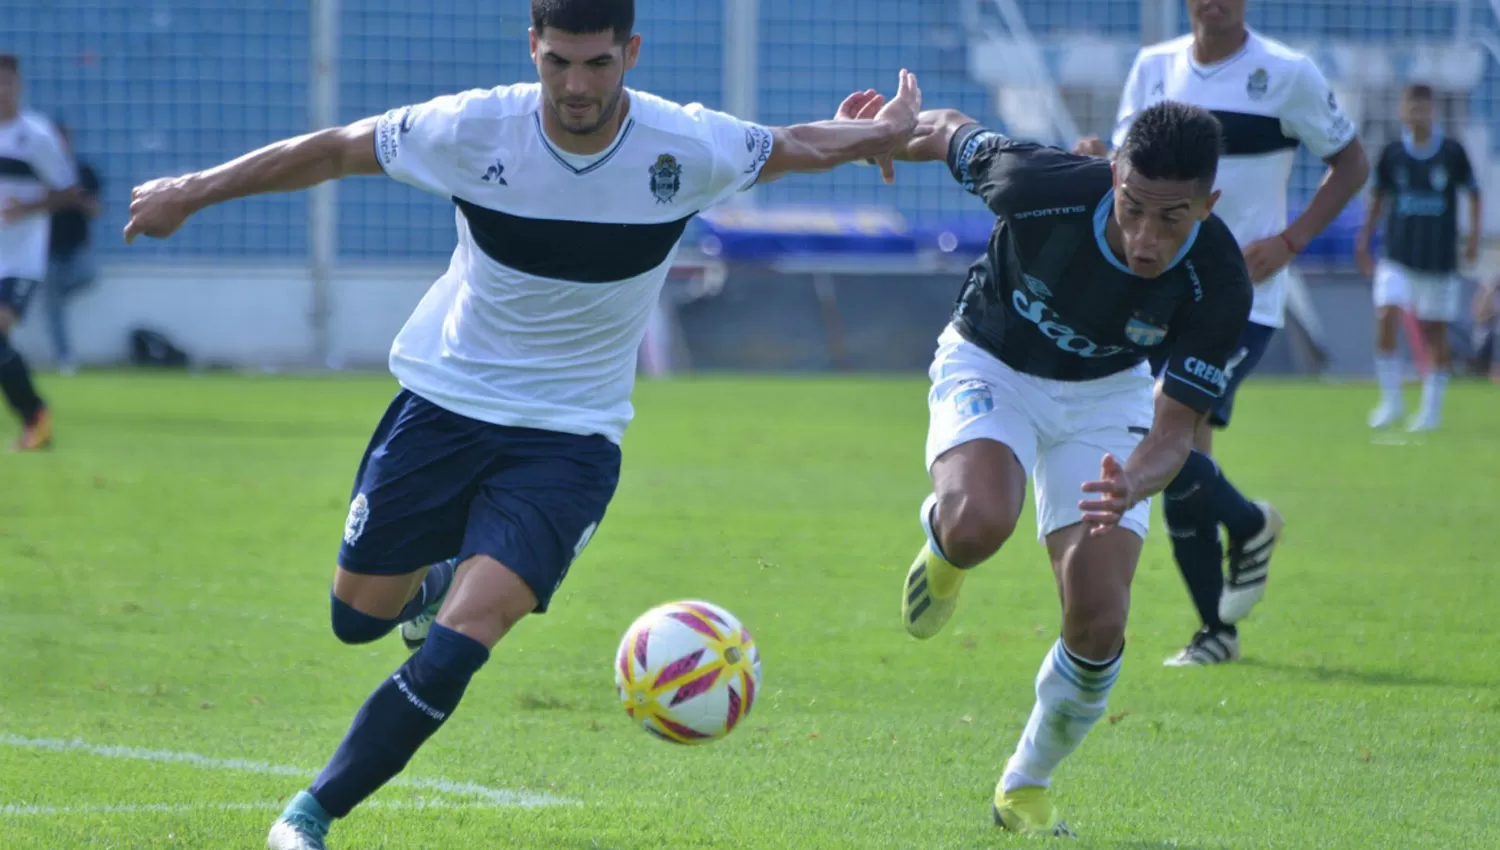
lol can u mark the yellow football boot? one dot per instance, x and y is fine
(1029, 812)
(930, 594)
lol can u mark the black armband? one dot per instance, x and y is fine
(962, 147)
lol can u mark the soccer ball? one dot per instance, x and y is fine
(688, 672)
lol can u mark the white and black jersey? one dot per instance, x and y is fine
(1051, 299)
(1270, 99)
(560, 258)
(33, 163)
(1420, 186)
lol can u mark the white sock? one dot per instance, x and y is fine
(1432, 392)
(1388, 374)
(929, 507)
(1070, 699)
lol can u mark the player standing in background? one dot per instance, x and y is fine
(36, 179)
(1270, 99)
(1420, 174)
(70, 268)
(501, 452)
(1043, 373)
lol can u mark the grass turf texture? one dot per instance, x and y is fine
(165, 575)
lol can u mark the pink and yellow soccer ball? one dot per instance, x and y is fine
(688, 672)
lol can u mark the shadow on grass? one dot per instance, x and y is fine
(1374, 678)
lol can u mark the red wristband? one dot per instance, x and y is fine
(1290, 245)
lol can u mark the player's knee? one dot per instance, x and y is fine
(971, 529)
(487, 600)
(353, 626)
(1095, 632)
(1185, 499)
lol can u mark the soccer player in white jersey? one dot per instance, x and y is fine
(37, 178)
(493, 466)
(1270, 100)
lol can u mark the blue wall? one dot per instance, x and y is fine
(159, 87)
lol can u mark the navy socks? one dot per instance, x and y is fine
(398, 718)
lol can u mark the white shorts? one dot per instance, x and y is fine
(1059, 430)
(1430, 296)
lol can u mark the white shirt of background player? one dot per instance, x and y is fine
(33, 163)
(1271, 98)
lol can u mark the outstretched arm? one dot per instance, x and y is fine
(933, 136)
(824, 145)
(159, 207)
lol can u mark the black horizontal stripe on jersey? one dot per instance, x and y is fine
(577, 251)
(1248, 135)
(12, 167)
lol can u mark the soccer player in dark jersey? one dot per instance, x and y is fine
(1093, 265)
(1417, 183)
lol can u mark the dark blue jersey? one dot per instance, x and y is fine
(1421, 189)
(1050, 298)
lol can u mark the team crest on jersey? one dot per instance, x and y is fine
(1438, 177)
(973, 398)
(359, 514)
(1401, 178)
(666, 178)
(1036, 286)
(1258, 83)
(1143, 333)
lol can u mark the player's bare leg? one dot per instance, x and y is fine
(487, 599)
(1072, 689)
(20, 394)
(1430, 415)
(978, 490)
(1387, 368)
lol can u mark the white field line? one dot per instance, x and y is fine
(497, 797)
(14, 809)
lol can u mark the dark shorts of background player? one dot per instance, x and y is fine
(435, 485)
(1253, 344)
(16, 292)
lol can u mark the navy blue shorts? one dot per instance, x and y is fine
(1253, 344)
(15, 292)
(435, 485)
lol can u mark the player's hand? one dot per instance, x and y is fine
(1115, 495)
(1363, 259)
(863, 106)
(1090, 146)
(13, 211)
(158, 208)
(1265, 257)
(902, 110)
(860, 105)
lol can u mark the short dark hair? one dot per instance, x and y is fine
(1174, 141)
(10, 62)
(1419, 91)
(585, 16)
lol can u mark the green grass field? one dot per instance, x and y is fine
(168, 676)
